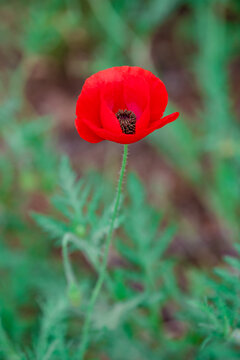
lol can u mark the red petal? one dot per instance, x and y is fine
(136, 94)
(88, 102)
(112, 93)
(109, 120)
(159, 98)
(111, 136)
(86, 133)
(163, 121)
(127, 138)
(157, 89)
(143, 122)
(158, 93)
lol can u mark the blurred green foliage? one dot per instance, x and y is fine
(155, 304)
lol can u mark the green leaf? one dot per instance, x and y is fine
(111, 319)
(54, 228)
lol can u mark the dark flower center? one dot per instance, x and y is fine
(127, 120)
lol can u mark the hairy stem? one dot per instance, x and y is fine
(103, 267)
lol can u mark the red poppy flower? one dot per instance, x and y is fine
(121, 104)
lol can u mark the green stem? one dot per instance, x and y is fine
(66, 262)
(102, 272)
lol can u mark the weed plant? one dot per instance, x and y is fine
(155, 303)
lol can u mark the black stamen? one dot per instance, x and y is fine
(127, 120)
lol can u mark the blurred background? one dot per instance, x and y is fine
(189, 169)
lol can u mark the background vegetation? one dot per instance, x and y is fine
(172, 290)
